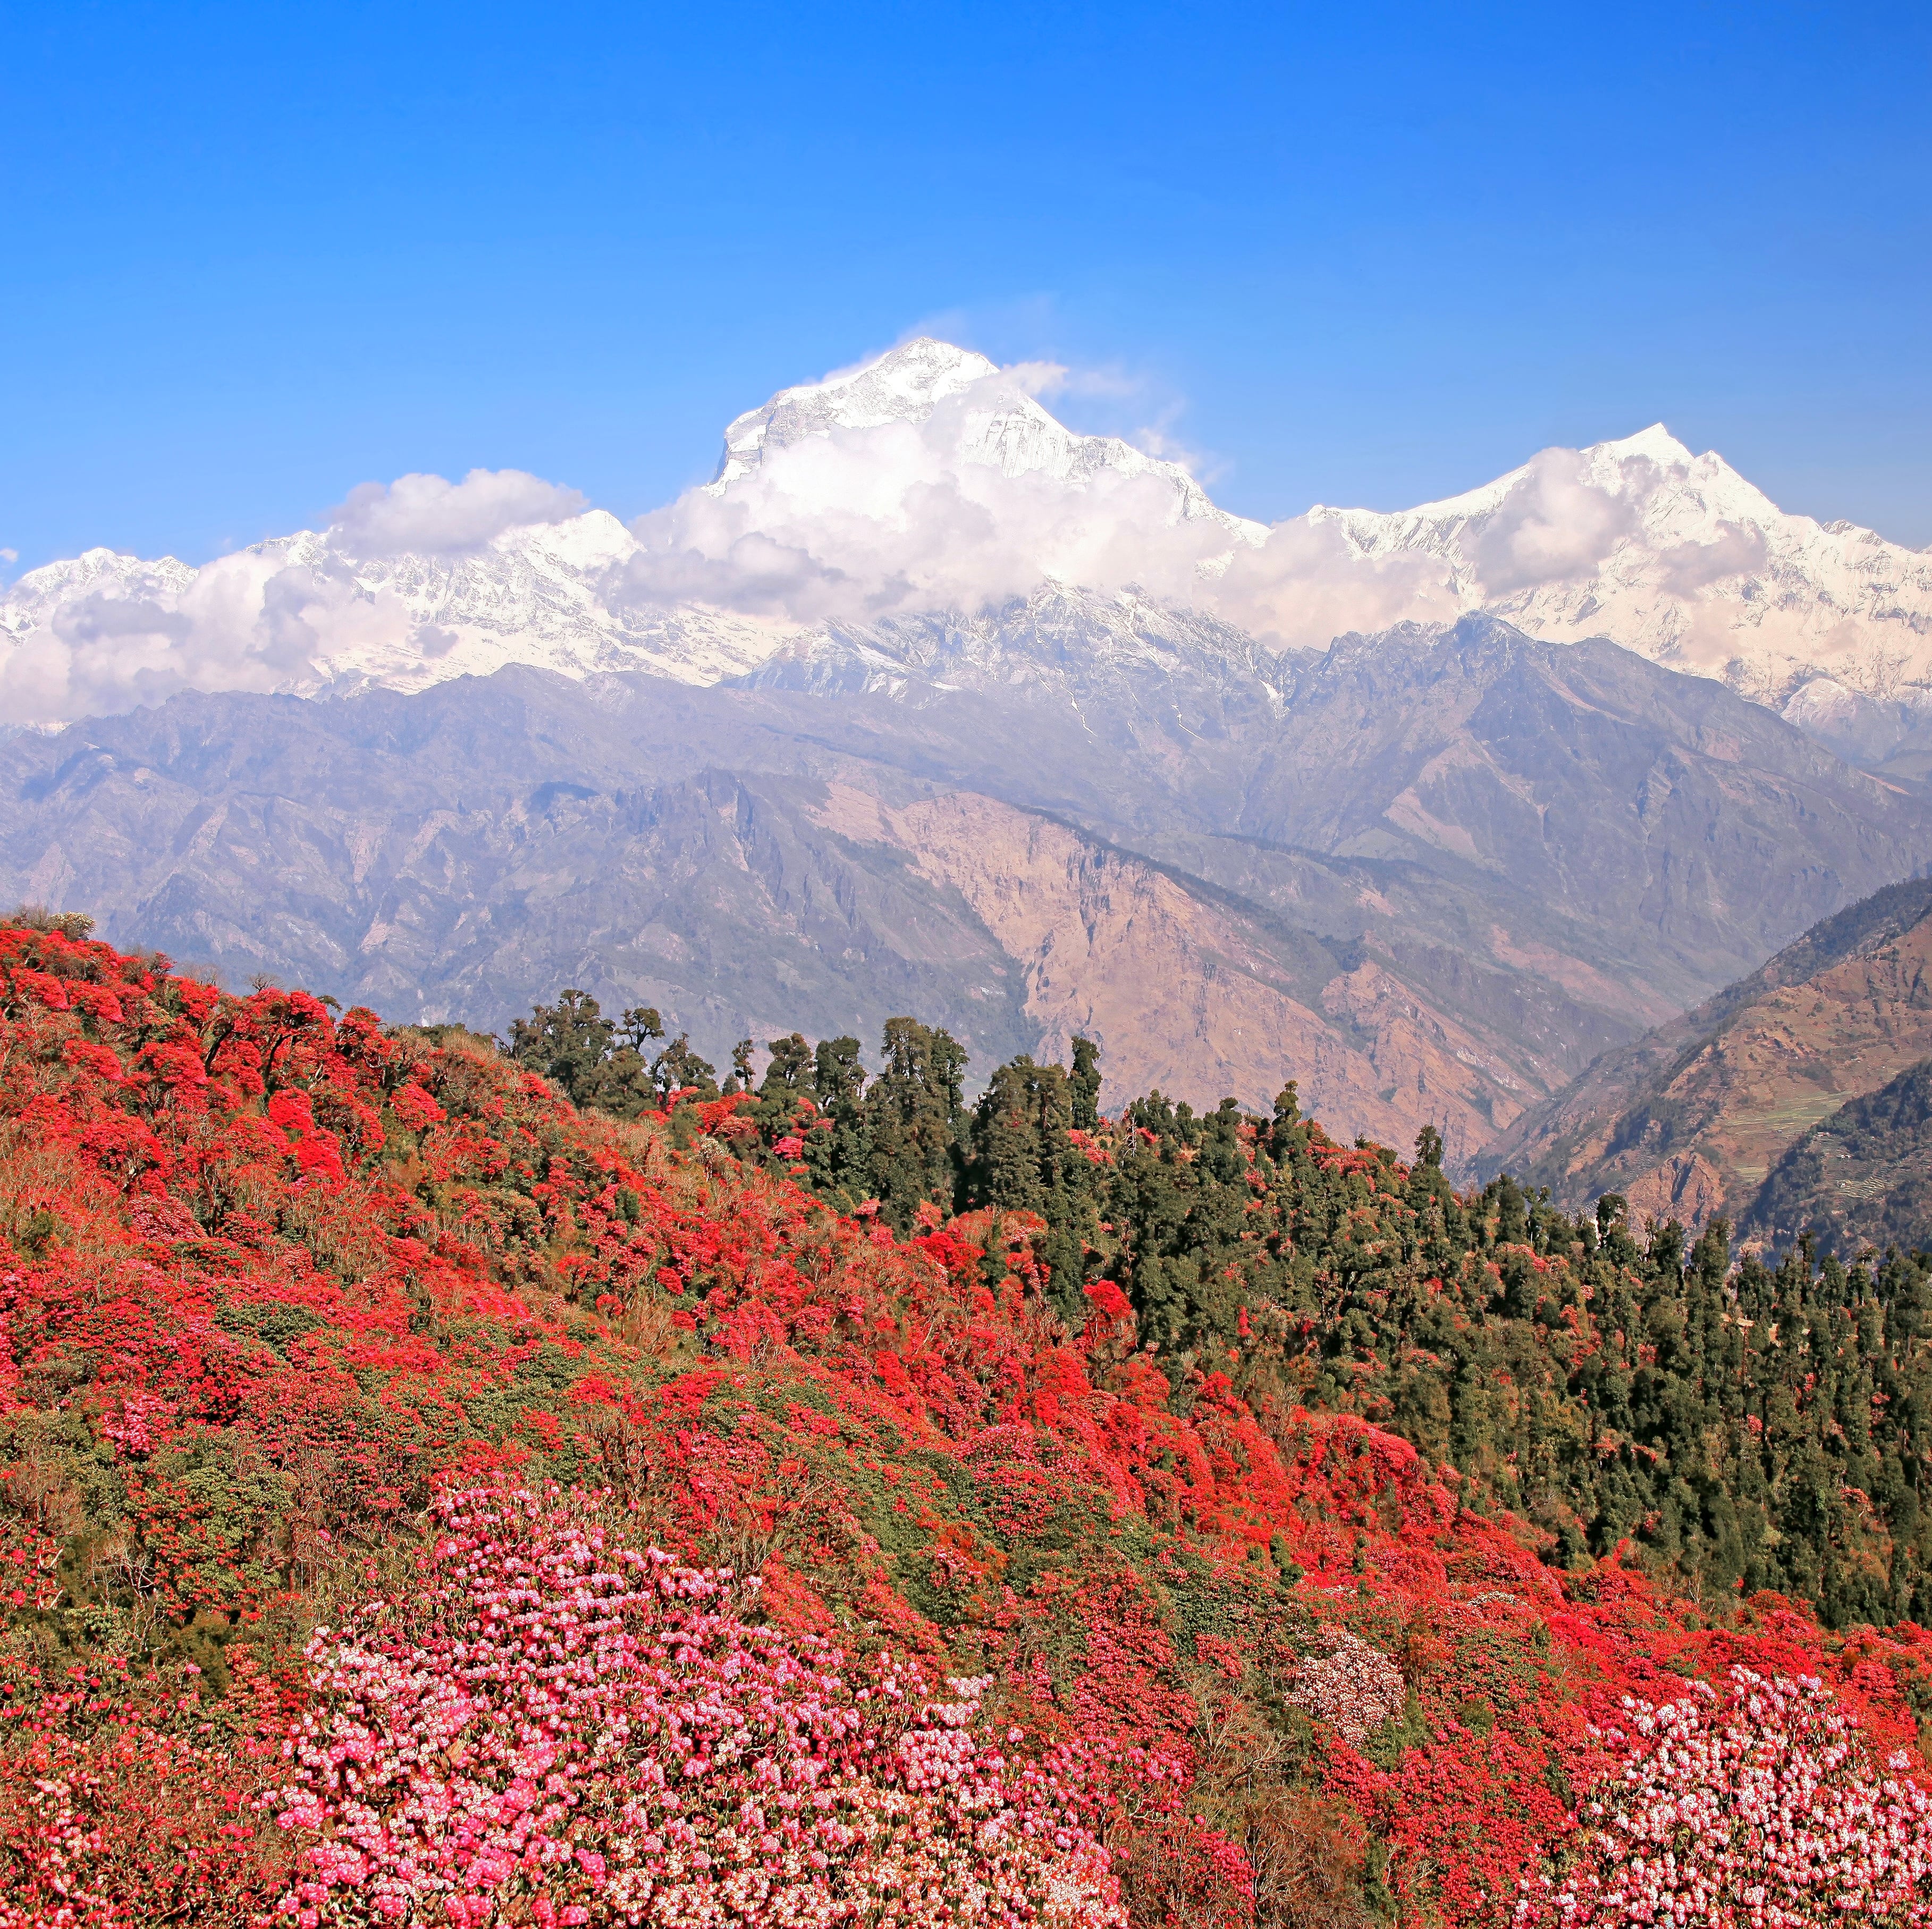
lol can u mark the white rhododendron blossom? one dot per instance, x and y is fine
(1763, 1810)
(1351, 1686)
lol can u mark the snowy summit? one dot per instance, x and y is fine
(929, 481)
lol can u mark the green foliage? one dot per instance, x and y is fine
(915, 1117)
(600, 1062)
(1745, 1426)
(1748, 1427)
(1071, 1434)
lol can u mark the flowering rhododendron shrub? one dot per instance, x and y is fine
(1762, 1808)
(1349, 1684)
(127, 1801)
(556, 1727)
(1242, 1474)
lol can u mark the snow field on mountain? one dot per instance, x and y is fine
(929, 481)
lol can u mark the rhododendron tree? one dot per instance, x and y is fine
(1762, 1808)
(554, 1726)
(1349, 1684)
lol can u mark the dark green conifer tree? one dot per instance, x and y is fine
(1084, 1084)
(916, 1121)
(597, 1061)
(564, 1043)
(679, 1068)
(838, 1151)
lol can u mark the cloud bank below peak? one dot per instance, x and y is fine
(933, 480)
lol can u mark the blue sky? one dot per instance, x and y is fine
(256, 255)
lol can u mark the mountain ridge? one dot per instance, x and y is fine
(1687, 1120)
(929, 483)
(1432, 875)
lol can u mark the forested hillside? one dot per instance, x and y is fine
(1860, 1179)
(1755, 1427)
(429, 1500)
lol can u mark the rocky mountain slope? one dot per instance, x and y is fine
(1861, 1177)
(463, 853)
(926, 703)
(929, 481)
(1583, 795)
(1430, 875)
(1688, 1121)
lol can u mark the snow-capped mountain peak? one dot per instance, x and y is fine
(905, 385)
(967, 407)
(930, 483)
(1655, 444)
(1673, 554)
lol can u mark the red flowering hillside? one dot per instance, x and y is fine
(424, 1502)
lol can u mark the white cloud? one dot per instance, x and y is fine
(1735, 550)
(106, 632)
(975, 504)
(1038, 378)
(858, 523)
(1554, 524)
(980, 502)
(429, 514)
(251, 621)
(1306, 585)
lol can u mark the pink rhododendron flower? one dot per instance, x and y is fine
(562, 1726)
(1764, 1810)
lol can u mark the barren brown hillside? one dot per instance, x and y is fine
(1687, 1122)
(1182, 993)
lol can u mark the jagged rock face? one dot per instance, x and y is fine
(1591, 783)
(1184, 993)
(1687, 1121)
(1430, 876)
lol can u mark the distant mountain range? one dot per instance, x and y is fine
(1430, 874)
(930, 482)
(927, 704)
